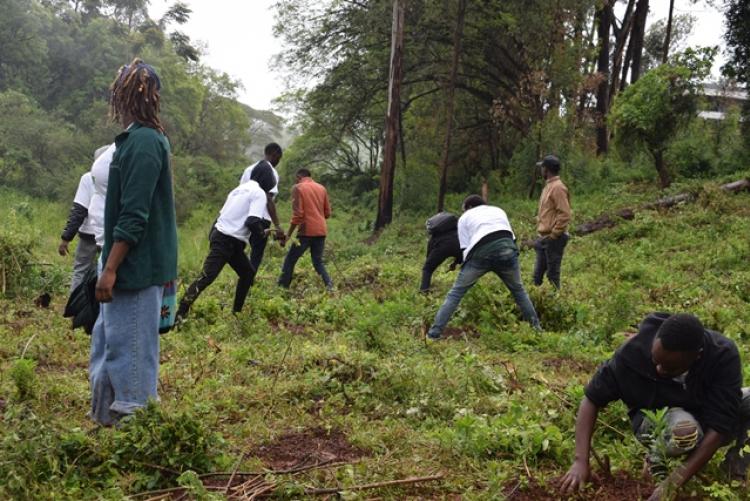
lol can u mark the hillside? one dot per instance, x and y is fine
(338, 390)
(266, 127)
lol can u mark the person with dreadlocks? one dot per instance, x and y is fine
(139, 254)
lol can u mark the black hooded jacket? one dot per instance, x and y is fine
(711, 392)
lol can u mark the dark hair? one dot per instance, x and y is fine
(304, 172)
(473, 201)
(135, 91)
(272, 148)
(681, 332)
(263, 175)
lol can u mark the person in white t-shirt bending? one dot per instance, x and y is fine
(488, 244)
(86, 218)
(239, 219)
(272, 156)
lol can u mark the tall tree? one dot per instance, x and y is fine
(737, 37)
(622, 33)
(450, 97)
(668, 35)
(651, 111)
(602, 68)
(387, 173)
(639, 32)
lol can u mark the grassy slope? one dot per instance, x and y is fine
(483, 407)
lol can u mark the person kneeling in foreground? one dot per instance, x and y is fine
(240, 217)
(674, 363)
(139, 254)
(488, 244)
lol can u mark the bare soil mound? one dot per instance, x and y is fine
(308, 447)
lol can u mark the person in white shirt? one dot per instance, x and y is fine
(86, 218)
(100, 176)
(488, 244)
(240, 218)
(272, 156)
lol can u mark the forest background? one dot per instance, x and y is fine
(584, 79)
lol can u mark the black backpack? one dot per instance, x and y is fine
(441, 222)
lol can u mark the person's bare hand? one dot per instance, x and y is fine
(280, 236)
(104, 286)
(62, 249)
(577, 475)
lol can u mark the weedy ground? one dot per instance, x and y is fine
(340, 389)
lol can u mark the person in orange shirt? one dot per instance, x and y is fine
(310, 209)
(552, 223)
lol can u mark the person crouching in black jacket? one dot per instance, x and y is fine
(443, 244)
(673, 363)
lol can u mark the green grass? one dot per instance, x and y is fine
(481, 408)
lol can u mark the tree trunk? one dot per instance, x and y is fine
(385, 196)
(639, 32)
(450, 96)
(602, 67)
(664, 179)
(668, 36)
(622, 38)
(587, 66)
(626, 63)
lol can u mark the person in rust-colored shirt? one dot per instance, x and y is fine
(552, 223)
(310, 209)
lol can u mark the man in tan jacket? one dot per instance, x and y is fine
(552, 223)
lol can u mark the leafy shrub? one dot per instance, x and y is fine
(24, 378)
(15, 258)
(156, 447)
(36, 459)
(518, 432)
(556, 312)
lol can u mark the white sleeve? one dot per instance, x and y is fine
(463, 233)
(258, 203)
(85, 191)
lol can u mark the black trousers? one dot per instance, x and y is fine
(549, 254)
(439, 249)
(223, 250)
(258, 247)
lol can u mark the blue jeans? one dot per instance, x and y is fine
(317, 246)
(124, 364)
(499, 256)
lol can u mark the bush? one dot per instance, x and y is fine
(24, 378)
(156, 447)
(15, 258)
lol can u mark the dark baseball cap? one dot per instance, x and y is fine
(550, 161)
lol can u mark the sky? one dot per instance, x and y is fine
(237, 36)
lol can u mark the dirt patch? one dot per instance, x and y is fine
(311, 446)
(617, 487)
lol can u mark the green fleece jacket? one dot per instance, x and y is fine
(139, 209)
